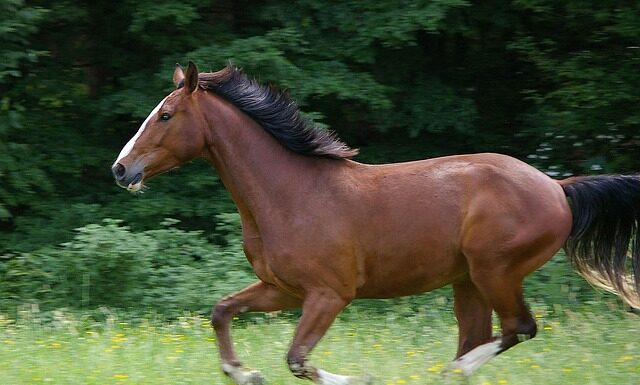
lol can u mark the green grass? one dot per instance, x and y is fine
(575, 348)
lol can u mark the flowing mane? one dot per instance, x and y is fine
(275, 112)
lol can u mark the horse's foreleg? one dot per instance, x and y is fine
(474, 317)
(257, 297)
(318, 313)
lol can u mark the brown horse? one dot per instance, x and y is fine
(321, 230)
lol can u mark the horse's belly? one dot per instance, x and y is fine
(393, 276)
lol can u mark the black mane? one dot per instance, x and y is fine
(276, 112)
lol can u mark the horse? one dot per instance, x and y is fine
(321, 230)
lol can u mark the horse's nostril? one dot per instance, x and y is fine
(119, 170)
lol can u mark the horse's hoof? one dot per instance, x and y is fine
(244, 376)
(253, 377)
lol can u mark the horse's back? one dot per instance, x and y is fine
(451, 191)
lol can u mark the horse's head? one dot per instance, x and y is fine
(170, 136)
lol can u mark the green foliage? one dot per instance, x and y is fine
(451, 113)
(148, 13)
(103, 264)
(20, 176)
(17, 23)
(166, 270)
(584, 102)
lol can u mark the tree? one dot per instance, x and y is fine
(586, 101)
(20, 175)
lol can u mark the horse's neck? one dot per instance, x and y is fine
(260, 174)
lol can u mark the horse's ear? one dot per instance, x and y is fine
(178, 76)
(191, 78)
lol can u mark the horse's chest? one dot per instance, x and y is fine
(253, 251)
(268, 269)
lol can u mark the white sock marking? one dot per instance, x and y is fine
(479, 356)
(326, 378)
(129, 146)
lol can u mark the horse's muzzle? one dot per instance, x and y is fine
(129, 179)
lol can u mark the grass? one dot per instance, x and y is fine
(396, 347)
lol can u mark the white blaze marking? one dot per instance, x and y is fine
(479, 356)
(129, 146)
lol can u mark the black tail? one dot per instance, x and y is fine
(604, 245)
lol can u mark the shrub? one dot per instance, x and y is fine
(168, 270)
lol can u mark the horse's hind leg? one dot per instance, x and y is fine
(504, 294)
(473, 314)
(257, 297)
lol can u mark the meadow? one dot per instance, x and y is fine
(596, 345)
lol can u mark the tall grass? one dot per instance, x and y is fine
(394, 347)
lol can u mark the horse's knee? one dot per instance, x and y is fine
(219, 314)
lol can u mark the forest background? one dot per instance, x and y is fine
(556, 84)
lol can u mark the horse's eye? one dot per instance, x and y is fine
(165, 116)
